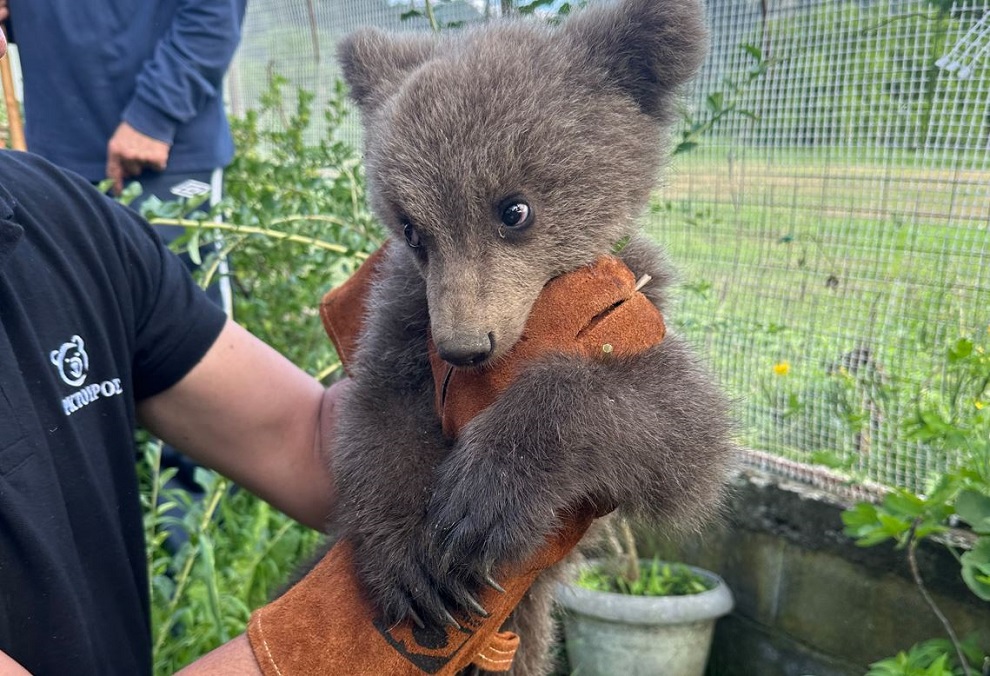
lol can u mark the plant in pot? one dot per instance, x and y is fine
(628, 616)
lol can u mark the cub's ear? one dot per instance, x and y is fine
(375, 63)
(646, 47)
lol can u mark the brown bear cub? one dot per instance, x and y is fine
(501, 157)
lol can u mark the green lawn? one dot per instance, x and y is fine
(815, 261)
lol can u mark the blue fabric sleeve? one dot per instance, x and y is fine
(187, 68)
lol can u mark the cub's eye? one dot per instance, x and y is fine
(412, 236)
(516, 214)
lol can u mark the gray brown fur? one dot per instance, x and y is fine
(573, 119)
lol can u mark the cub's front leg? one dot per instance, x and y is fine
(387, 446)
(647, 433)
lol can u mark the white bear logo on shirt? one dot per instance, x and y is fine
(71, 361)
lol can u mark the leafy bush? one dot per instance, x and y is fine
(952, 422)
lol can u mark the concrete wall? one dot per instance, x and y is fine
(808, 601)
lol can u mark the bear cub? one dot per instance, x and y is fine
(500, 157)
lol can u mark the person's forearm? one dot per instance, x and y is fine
(234, 658)
(250, 414)
(8, 667)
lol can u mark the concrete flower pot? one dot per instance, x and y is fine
(610, 634)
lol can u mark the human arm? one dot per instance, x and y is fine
(247, 412)
(8, 667)
(234, 658)
(185, 72)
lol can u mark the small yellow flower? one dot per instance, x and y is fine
(781, 368)
(979, 405)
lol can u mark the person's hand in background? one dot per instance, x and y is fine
(129, 152)
(4, 11)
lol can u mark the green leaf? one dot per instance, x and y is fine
(939, 667)
(192, 247)
(976, 568)
(893, 525)
(410, 14)
(904, 503)
(656, 579)
(962, 349)
(860, 515)
(130, 192)
(753, 51)
(863, 523)
(684, 146)
(620, 245)
(929, 658)
(533, 6)
(974, 509)
(832, 459)
(209, 574)
(716, 101)
(191, 206)
(927, 528)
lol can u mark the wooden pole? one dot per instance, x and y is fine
(17, 141)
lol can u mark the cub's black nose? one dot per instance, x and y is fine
(467, 350)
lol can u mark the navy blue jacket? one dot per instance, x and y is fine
(88, 65)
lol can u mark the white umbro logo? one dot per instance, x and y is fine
(190, 188)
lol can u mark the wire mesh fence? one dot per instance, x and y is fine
(836, 238)
(830, 216)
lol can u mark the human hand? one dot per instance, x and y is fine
(4, 10)
(129, 152)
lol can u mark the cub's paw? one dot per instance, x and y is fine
(483, 519)
(402, 584)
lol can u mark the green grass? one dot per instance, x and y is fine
(801, 264)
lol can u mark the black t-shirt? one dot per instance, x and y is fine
(95, 314)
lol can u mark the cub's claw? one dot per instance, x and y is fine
(473, 604)
(415, 618)
(490, 581)
(450, 619)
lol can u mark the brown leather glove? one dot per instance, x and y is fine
(325, 624)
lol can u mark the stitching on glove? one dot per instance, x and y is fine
(268, 652)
